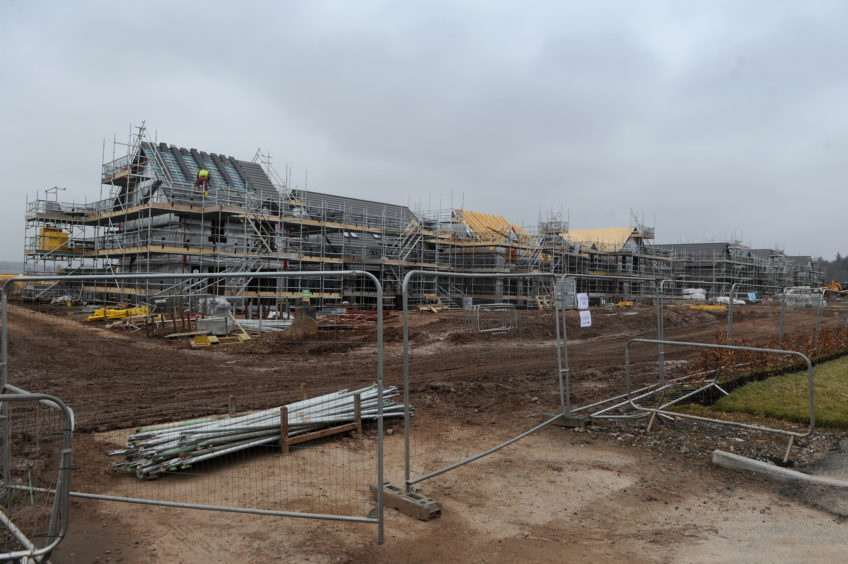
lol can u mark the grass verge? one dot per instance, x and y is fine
(787, 396)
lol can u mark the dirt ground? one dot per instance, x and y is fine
(605, 493)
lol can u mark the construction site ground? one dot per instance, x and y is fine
(606, 492)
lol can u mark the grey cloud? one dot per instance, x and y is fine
(711, 117)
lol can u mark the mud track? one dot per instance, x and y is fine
(121, 379)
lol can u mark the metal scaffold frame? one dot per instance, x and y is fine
(151, 219)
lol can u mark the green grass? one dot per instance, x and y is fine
(787, 396)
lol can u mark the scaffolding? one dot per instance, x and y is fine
(150, 218)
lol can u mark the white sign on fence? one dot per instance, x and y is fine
(585, 318)
(582, 301)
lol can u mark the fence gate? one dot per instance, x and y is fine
(178, 389)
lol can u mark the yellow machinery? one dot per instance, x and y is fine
(834, 286)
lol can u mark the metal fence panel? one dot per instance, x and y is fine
(494, 318)
(728, 370)
(741, 307)
(186, 394)
(432, 444)
(36, 445)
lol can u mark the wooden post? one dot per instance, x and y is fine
(357, 413)
(651, 421)
(303, 391)
(788, 448)
(232, 405)
(654, 414)
(284, 429)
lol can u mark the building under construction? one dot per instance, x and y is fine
(150, 219)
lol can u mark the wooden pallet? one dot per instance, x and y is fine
(286, 441)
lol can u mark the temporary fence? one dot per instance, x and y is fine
(729, 370)
(493, 318)
(610, 289)
(640, 291)
(536, 397)
(173, 386)
(731, 304)
(710, 309)
(36, 455)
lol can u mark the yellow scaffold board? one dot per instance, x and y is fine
(109, 313)
(208, 340)
(203, 341)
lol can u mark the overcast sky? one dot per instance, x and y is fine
(715, 120)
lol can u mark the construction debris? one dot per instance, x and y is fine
(305, 323)
(265, 325)
(544, 302)
(352, 319)
(429, 308)
(170, 447)
(431, 304)
(186, 334)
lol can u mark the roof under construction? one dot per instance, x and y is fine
(607, 240)
(490, 227)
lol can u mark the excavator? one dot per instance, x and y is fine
(834, 286)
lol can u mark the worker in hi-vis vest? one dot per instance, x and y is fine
(202, 180)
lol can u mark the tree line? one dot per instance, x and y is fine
(837, 269)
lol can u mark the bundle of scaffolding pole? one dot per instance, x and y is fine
(171, 447)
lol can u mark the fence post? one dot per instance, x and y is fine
(782, 314)
(661, 331)
(562, 350)
(284, 429)
(730, 313)
(5, 408)
(357, 413)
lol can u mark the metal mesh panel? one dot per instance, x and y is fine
(513, 369)
(188, 404)
(35, 446)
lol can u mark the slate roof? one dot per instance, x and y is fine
(801, 260)
(766, 254)
(339, 207)
(225, 172)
